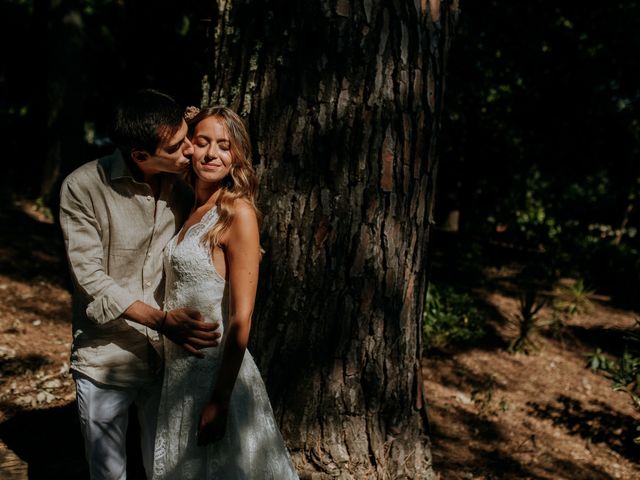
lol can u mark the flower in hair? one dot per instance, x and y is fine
(191, 112)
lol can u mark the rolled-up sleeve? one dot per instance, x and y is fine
(106, 300)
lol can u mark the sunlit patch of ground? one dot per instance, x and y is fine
(498, 415)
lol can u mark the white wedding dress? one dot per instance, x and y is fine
(252, 447)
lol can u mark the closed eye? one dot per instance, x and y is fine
(174, 148)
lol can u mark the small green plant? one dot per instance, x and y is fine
(483, 395)
(625, 374)
(483, 398)
(530, 305)
(450, 317)
(598, 361)
(573, 298)
(626, 378)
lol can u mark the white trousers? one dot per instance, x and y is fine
(104, 415)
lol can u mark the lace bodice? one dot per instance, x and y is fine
(191, 279)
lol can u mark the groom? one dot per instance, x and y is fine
(117, 214)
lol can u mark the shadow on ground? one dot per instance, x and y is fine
(31, 249)
(594, 422)
(490, 462)
(50, 442)
(10, 367)
(610, 340)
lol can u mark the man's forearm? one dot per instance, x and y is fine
(144, 314)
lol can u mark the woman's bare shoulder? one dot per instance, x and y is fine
(244, 211)
(245, 221)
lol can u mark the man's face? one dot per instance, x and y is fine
(170, 155)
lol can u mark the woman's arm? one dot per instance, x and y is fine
(242, 250)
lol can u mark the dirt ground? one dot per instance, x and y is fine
(493, 415)
(39, 431)
(541, 415)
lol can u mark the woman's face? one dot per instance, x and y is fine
(211, 158)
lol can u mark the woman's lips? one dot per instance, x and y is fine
(211, 166)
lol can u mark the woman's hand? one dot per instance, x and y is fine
(213, 422)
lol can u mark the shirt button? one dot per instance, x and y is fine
(148, 255)
(148, 284)
(148, 197)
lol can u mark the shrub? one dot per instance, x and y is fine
(450, 317)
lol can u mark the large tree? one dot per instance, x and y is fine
(343, 99)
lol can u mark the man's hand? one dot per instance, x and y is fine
(187, 328)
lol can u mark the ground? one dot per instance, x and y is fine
(493, 414)
(536, 415)
(39, 429)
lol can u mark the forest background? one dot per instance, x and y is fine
(539, 149)
(540, 133)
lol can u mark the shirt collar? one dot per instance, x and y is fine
(119, 168)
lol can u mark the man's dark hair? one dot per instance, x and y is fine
(143, 119)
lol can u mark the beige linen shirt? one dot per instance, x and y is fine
(114, 232)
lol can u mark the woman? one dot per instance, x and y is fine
(215, 419)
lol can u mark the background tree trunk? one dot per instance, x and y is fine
(343, 101)
(59, 105)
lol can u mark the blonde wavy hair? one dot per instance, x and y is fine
(242, 182)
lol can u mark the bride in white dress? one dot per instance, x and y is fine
(215, 420)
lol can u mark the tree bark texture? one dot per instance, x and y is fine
(343, 101)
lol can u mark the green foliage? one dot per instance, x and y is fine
(527, 320)
(626, 378)
(482, 396)
(450, 317)
(542, 136)
(625, 374)
(573, 298)
(532, 219)
(43, 208)
(598, 361)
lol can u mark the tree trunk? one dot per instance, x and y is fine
(343, 102)
(61, 111)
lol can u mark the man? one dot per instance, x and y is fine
(117, 214)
